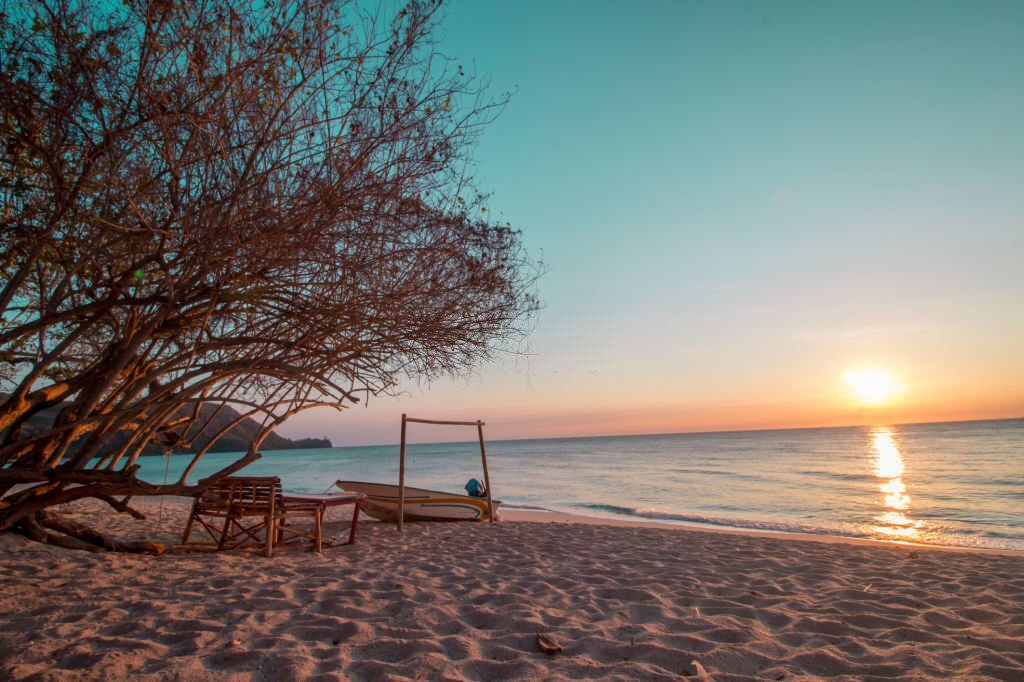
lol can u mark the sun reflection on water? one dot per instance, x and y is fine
(888, 464)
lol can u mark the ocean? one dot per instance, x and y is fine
(954, 483)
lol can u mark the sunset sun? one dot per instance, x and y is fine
(872, 387)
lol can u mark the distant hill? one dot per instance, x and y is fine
(236, 440)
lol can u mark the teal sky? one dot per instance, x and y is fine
(737, 202)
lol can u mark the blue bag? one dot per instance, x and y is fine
(476, 488)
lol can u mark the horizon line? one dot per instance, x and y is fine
(686, 433)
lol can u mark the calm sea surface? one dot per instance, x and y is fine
(958, 483)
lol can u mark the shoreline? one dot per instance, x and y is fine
(511, 513)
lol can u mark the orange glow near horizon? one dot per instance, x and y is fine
(562, 409)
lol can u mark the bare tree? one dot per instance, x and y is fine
(222, 203)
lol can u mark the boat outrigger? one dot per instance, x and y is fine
(382, 502)
(400, 503)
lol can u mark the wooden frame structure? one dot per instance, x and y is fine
(401, 463)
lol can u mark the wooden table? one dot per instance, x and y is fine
(326, 500)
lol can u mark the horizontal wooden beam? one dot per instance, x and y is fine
(435, 421)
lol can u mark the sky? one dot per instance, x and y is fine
(739, 205)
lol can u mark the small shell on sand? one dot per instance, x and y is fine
(548, 645)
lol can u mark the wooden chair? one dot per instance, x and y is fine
(241, 509)
(237, 509)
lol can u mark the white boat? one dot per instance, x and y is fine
(420, 505)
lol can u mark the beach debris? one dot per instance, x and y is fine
(548, 645)
(234, 644)
(697, 671)
(867, 588)
(912, 555)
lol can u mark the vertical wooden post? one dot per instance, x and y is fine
(401, 479)
(487, 475)
(275, 490)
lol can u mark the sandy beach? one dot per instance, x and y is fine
(466, 601)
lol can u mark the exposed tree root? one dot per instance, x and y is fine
(33, 530)
(54, 529)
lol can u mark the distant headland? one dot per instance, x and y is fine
(235, 440)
